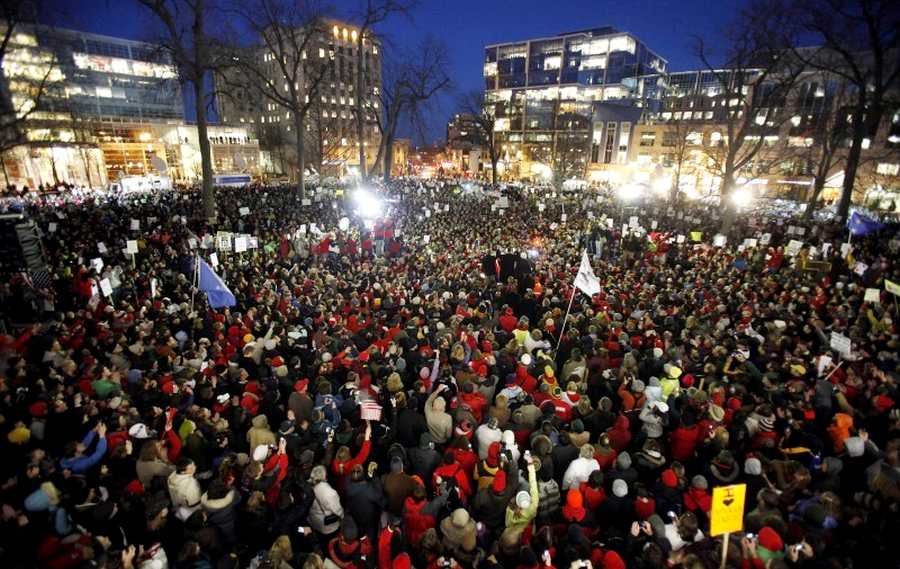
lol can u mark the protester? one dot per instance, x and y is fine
(152, 419)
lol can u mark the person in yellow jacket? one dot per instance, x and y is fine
(523, 510)
(671, 383)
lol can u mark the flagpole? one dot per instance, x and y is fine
(194, 280)
(566, 319)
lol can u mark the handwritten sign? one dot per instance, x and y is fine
(106, 287)
(135, 225)
(244, 211)
(873, 295)
(214, 260)
(727, 513)
(840, 343)
(131, 246)
(240, 244)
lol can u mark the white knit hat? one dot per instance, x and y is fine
(620, 488)
(523, 499)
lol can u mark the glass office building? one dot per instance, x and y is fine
(544, 93)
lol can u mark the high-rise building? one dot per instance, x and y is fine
(546, 94)
(331, 127)
(91, 117)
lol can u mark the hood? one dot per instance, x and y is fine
(843, 421)
(219, 503)
(260, 422)
(622, 423)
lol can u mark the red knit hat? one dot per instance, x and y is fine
(612, 560)
(300, 385)
(669, 479)
(135, 488)
(277, 361)
(499, 483)
(769, 539)
(402, 561)
(574, 508)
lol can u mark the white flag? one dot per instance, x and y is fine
(586, 281)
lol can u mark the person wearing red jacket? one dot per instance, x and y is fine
(620, 434)
(343, 463)
(697, 498)
(349, 550)
(474, 400)
(683, 440)
(508, 321)
(452, 469)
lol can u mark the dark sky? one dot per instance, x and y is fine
(466, 26)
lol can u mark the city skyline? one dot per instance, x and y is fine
(467, 27)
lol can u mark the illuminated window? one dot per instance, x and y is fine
(887, 169)
(321, 53)
(694, 138)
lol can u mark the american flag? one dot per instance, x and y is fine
(370, 410)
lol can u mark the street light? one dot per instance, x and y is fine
(368, 206)
(741, 198)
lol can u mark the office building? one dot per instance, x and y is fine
(331, 129)
(545, 93)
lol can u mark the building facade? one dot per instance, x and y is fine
(543, 93)
(331, 128)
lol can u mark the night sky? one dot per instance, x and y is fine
(466, 26)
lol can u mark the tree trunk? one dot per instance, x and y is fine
(727, 206)
(676, 183)
(87, 167)
(3, 165)
(818, 186)
(388, 159)
(360, 100)
(494, 159)
(207, 192)
(865, 116)
(301, 159)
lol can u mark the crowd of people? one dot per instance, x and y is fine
(378, 397)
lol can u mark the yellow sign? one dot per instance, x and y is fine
(892, 287)
(727, 513)
(696, 236)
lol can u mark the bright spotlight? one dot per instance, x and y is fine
(533, 253)
(741, 197)
(661, 186)
(368, 206)
(629, 192)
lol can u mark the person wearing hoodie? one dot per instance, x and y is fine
(184, 490)
(424, 458)
(523, 509)
(620, 434)
(490, 503)
(486, 435)
(220, 504)
(440, 423)
(259, 433)
(420, 514)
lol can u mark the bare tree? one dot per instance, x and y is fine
(474, 104)
(33, 88)
(678, 139)
(753, 84)
(186, 38)
(409, 85)
(286, 69)
(373, 13)
(860, 41)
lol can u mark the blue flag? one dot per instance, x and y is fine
(214, 287)
(859, 224)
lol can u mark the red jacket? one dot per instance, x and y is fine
(415, 522)
(456, 472)
(683, 441)
(697, 499)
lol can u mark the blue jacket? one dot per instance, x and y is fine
(81, 464)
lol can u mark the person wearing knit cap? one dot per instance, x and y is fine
(620, 488)
(769, 545)
(574, 511)
(697, 498)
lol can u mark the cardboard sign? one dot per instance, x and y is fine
(680, 239)
(840, 343)
(101, 246)
(719, 240)
(51, 228)
(633, 221)
(244, 211)
(97, 264)
(240, 244)
(822, 364)
(727, 513)
(214, 260)
(253, 243)
(106, 287)
(892, 287)
(872, 295)
(860, 268)
(131, 246)
(749, 242)
(192, 243)
(135, 225)
(765, 239)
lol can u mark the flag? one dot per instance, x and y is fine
(860, 224)
(586, 281)
(214, 287)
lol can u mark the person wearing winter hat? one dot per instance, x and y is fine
(459, 533)
(524, 508)
(573, 511)
(769, 545)
(697, 498)
(620, 488)
(580, 469)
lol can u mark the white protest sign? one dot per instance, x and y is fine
(97, 264)
(427, 213)
(609, 222)
(192, 243)
(826, 248)
(426, 239)
(131, 246)
(653, 224)
(563, 217)
(840, 343)
(51, 228)
(846, 248)
(822, 364)
(873, 295)
(633, 221)
(860, 268)
(680, 239)
(240, 244)
(793, 247)
(223, 241)
(135, 224)
(306, 201)
(719, 240)
(253, 243)
(750, 242)
(244, 211)
(153, 288)
(106, 287)
(765, 239)
(214, 260)
(101, 246)
(446, 207)
(800, 230)
(541, 207)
